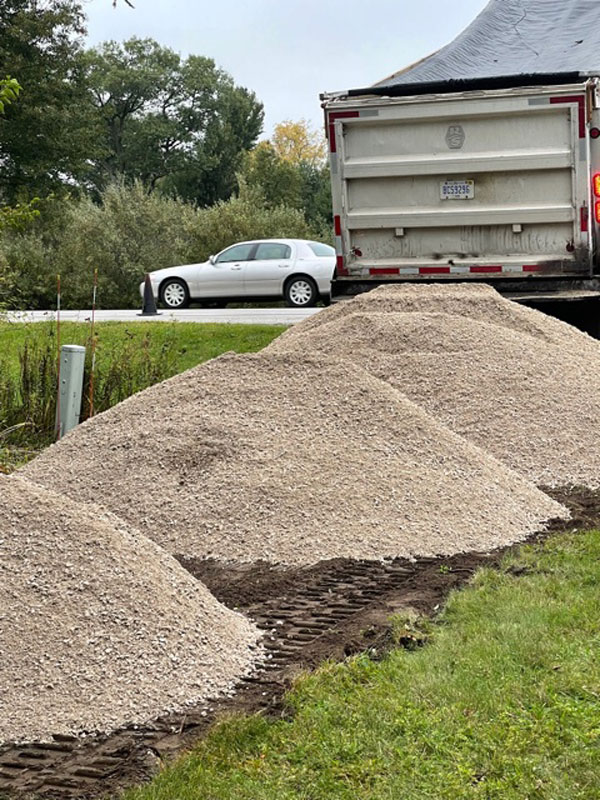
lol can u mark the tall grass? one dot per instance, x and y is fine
(129, 359)
(28, 394)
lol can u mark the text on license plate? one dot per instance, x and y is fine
(457, 190)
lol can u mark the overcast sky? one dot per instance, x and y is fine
(288, 51)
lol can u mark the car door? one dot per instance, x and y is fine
(266, 273)
(224, 276)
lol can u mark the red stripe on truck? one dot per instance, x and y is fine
(341, 265)
(477, 270)
(384, 271)
(585, 218)
(337, 225)
(332, 117)
(580, 100)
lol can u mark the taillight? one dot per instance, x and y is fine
(598, 211)
(596, 181)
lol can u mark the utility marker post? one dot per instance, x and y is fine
(68, 408)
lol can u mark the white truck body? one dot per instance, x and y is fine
(494, 185)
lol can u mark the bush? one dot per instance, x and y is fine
(130, 232)
(246, 216)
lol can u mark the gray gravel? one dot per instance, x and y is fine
(291, 460)
(98, 626)
(525, 387)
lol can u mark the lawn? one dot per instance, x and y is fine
(130, 357)
(191, 343)
(503, 704)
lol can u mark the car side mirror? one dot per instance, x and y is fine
(212, 260)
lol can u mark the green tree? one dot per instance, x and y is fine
(290, 168)
(279, 179)
(47, 137)
(9, 91)
(178, 124)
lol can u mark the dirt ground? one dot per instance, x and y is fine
(330, 611)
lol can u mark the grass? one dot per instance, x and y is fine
(129, 358)
(503, 704)
(193, 343)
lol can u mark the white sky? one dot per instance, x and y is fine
(288, 51)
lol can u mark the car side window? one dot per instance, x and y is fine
(239, 252)
(320, 249)
(272, 250)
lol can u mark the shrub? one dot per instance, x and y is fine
(130, 232)
(244, 217)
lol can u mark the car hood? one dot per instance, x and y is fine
(181, 271)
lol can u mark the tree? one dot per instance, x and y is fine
(297, 143)
(9, 91)
(46, 138)
(290, 168)
(279, 180)
(181, 125)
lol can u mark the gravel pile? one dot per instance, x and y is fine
(531, 400)
(474, 301)
(291, 460)
(99, 627)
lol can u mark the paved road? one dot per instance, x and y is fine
(251, 316)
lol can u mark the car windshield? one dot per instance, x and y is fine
(321, 249)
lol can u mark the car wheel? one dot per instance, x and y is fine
(174, 293)
(301, 292)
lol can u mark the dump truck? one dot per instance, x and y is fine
(479, 163)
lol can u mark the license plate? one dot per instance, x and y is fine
(457, 190)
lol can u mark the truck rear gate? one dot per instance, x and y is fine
(475, 185)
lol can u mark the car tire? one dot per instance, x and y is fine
(301, 292)
(174, 294)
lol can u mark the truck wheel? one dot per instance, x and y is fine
(174, 293)
(301, 292)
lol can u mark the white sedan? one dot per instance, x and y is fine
(298, 270)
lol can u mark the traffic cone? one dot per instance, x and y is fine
(149, 307)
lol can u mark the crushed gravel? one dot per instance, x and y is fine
(532, 399)
(474, 301)
(291, 460)
(99, 627)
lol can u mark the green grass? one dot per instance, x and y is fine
(503, 703)
(129, 358)
(192, 343)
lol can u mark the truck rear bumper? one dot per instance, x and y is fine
(463, 267)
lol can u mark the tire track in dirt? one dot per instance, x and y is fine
(330, 611)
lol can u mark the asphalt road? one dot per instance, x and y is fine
(249, 316)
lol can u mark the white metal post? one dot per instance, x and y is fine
(72, 364)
